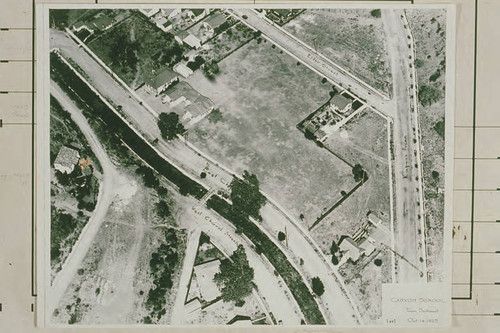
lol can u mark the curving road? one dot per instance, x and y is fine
(105, 197)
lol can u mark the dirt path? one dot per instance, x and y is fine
(104, 199)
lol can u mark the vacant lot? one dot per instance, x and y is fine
(364, 280)
(429, 30)
(352, 38)
(135, 47)
(262, 95)
(227, 42)
(363, 140)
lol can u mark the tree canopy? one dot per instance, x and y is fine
(359, 173)
(317, 286)
(235, 279)
(246, 196)
(169, 125)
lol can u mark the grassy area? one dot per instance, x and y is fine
(121, 131)
(261, 101)
(429, 30)
(362, 140)
(352, 38)
(135, 47)
(227, 42)
(264, 245)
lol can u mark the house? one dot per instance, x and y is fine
(282, 13)
(349, 249)
(205, 278)
(197, 109)
(192, 41)
(162, 80)
(196, 13)
(149, 12)
(102, 23)
(181, 92)
(180, 36)
(170, 12)
(164, 24)
(374, 219)
(366, 246)
(79, 26)
(183, 70)
(213, 22)
(66, 159)
(340, 103)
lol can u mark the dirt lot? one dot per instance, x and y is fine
(364, 280)
(260, 109)
(429, 31)
(352, 38)
(113, 282)
(362, 140)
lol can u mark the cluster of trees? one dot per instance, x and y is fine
(428, 95)
(235, 279)
(246, 197)
(84, 188)
(169, 125)
(215, 116)
(148, 176)
(61, 226)
(162, 209)
(122, 50)
(359, 173)
(376, 13)
(162, 265)
(196, 63)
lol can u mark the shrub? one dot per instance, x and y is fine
(281, 236)
(376, 13)
(428, 95)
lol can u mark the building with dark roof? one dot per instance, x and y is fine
(162, 80)
(340, 103)
(214, 21)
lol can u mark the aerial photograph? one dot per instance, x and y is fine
(243, 166)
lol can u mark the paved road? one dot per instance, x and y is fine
(218, 179)
(104, 200)
(407, 186)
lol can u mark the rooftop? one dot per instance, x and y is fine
(215, 20)
(197, 11)
(67, 157)
(158, 80)
(340, 101)
(182, 89)
(102, 22)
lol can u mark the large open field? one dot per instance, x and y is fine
(352, 38)
(362, 140)
(262, 95)
(429, 29)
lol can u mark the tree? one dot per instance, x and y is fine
(317, 286)
(246, 196)
(359, 174)
(281, 236)
(58, 18)
(162, 209)
(378, 262)
(203, 175)
(334, 248)
(235, 279)
(335, 260)
(215, 116)
(376, 13)
(169, 125)
(428, 95)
